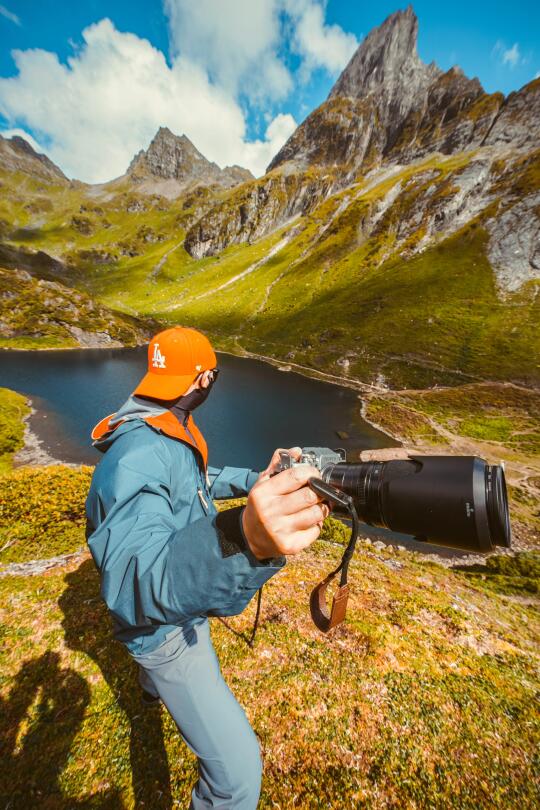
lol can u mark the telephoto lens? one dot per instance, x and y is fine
(454, 501)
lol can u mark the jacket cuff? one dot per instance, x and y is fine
(233, 540)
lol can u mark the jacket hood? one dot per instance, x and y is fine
(131, 414)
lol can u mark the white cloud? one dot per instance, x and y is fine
(236, 42)
(112, 96)
(510, 57)
(9, 15)
(95, 112)
(9, 133)
(320, 45)
(260, 153)
(537, 75)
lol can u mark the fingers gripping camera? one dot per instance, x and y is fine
(455, 501)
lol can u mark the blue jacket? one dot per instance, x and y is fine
(165, 555)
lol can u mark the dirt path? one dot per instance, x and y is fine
(252, 267)
(157, 267)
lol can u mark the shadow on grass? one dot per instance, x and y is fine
(516, 574)
(38, 722)
(87, 629)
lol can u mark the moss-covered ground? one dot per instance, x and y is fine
(424, 698)
(13, 409)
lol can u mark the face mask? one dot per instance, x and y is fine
(192, 400)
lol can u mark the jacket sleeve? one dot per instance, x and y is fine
(231, 482)
(154, 571)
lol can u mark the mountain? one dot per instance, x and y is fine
(175, 159)
(393, 241)
(16, 155)
(386, 109)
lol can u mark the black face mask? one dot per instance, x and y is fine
(184, 405)
(192, 400)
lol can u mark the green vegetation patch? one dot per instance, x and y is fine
(519, 573)
(500, 413)
(430, 662)
(42, 512)
(401, 420)
(13, 409)
(36, 313)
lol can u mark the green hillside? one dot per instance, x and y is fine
(316, 291)
(423, 698)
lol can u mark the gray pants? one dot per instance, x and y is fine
(184, 672)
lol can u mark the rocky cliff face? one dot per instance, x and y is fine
(387, 109)
(387, 104)
(174, 158)
(16, 155)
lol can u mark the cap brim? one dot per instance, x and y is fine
(164, 387)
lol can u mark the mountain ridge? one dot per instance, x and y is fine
(17, 154)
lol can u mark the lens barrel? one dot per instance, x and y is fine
(454, 501)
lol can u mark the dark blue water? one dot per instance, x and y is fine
(253, 407)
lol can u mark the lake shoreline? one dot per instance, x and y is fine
(32, 453)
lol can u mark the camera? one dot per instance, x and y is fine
(454, 501)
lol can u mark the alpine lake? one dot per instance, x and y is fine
(253, 408)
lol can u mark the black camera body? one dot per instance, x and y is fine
(455, 501)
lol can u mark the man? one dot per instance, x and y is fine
(168, 560)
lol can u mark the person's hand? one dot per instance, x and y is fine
(273, 465)
(283, 515)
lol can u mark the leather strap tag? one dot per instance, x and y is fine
(322, 618)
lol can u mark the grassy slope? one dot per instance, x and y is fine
(423, 699)
(13, 409)
(414, 319)
(38, 314)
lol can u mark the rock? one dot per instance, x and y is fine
(519, 119)
(17, 155)
(514, 245)
(394, 565)
(84, 225)
(173, 157)
(253, 210)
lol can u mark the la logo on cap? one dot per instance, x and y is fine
(158, 359)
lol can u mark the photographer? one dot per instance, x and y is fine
(168, 560)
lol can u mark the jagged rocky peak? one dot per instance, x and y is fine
(17, 155)
(174, 157)
(387, 109)
(388, 97)
(387, 62)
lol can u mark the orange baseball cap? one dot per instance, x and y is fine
(175, 358)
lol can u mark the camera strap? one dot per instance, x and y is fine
(323, 618)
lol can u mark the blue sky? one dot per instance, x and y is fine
(235, 75)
